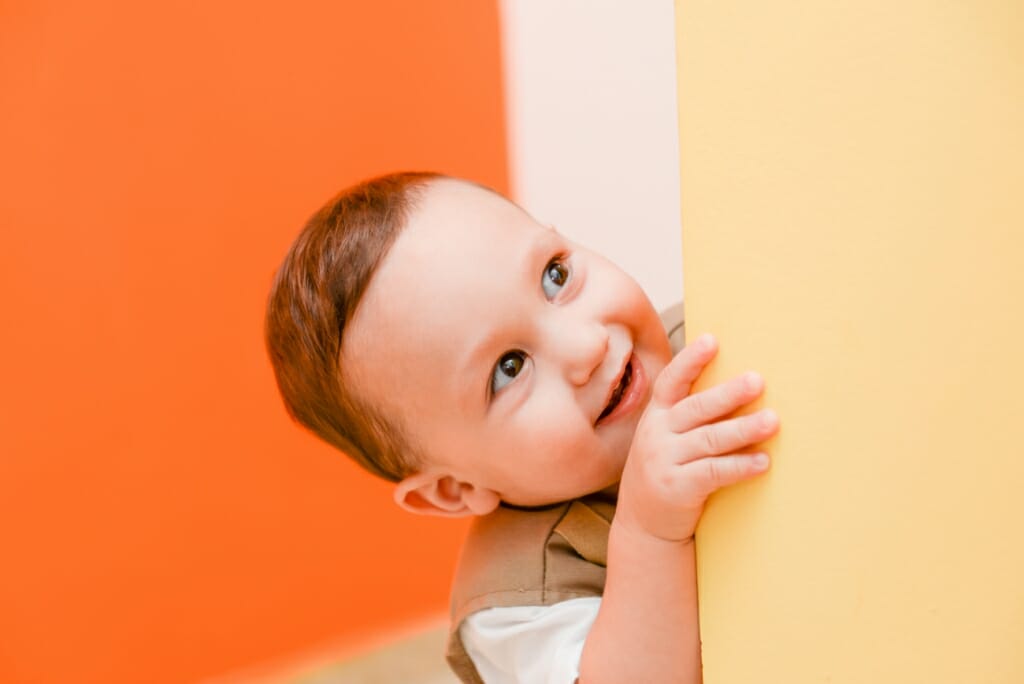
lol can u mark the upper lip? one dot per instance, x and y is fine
(616, 379)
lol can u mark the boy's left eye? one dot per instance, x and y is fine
(556, 275)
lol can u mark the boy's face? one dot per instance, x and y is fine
(499, 343)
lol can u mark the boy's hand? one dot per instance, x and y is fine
(682, 451)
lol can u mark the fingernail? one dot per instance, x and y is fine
(752, 379)
(761, 461)
(706, 341)
(769, 418)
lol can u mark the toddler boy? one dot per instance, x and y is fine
(439, 335)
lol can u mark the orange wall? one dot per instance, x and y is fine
(160, 518)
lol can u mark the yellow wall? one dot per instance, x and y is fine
(853, 227)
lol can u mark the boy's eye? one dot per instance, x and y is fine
(509, 366)
(556, 275)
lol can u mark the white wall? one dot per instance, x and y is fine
(593, 140)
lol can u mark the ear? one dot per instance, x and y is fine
(441, 494)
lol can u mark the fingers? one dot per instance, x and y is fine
(707, 475)
(675, 381)
(727, 436)
(717, 401)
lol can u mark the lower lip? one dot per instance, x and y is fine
(635, 393)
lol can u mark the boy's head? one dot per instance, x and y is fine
(435, 332)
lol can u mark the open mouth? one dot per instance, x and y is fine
(617, 393)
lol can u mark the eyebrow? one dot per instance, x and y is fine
(530, 268)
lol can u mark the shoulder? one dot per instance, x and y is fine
(540, 556)
(516, 565)
(503, 559)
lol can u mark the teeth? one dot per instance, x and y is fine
(618, 392)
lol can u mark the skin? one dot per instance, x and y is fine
(499, 342)
(470, 267)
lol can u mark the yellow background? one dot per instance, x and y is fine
(852, 227)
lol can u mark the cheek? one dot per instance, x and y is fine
(660, 350)
(553, 424)
(627, 297)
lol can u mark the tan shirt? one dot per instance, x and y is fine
(529, 557)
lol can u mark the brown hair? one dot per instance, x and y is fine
(314, 296)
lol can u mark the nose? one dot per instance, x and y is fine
(584, 346)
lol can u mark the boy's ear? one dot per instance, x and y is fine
(440, 494)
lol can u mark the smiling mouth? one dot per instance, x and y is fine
(619, 390)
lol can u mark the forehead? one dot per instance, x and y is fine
(463, 254)
(460, 207)
(457, 234)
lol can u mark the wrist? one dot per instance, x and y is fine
(625, 532)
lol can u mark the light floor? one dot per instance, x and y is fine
(415, 659)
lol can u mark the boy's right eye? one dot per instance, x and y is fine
(508, 367)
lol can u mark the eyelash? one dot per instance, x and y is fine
(566, 274)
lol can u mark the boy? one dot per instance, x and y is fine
(436, 333)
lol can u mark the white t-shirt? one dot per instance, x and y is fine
(529, 644)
